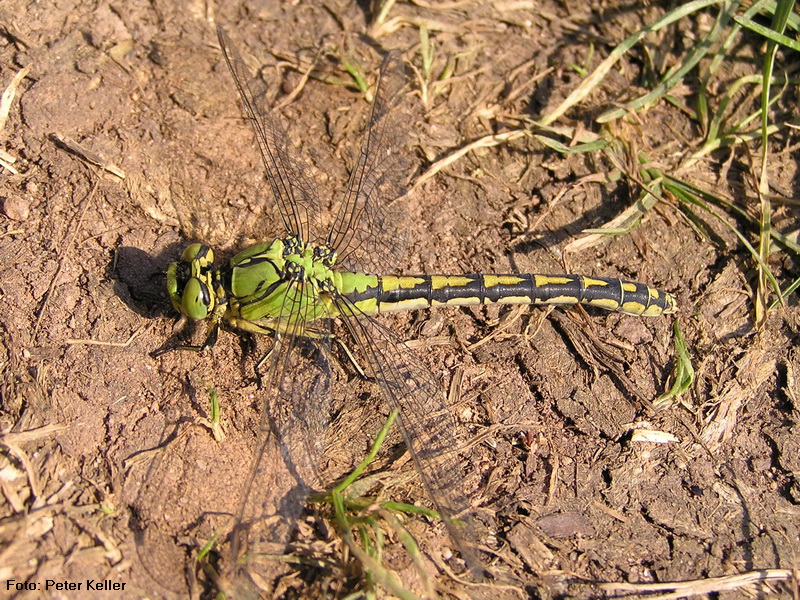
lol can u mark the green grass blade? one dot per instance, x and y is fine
(768, 33)
(360, 514)
(382, 13)
(786, 293)
(372, 567)
(779, 20)
(411, 547)
(214, 416)
(787, 241)
(588, 84)
(684, 371)
(207, 547)
(686, 193)
(732, 90)
(373, 452)
(678, 72)
(356, 72)
(598, 144)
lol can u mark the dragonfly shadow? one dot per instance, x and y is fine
(183, 495)
(140, 279)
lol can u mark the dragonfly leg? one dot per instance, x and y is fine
(350, 357)
(327, 337)
(211, 339)
(264, 360)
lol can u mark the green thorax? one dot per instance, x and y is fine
(281, 283)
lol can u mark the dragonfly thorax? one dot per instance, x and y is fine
(266, 281)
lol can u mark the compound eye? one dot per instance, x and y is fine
(199, 252)
(196, 302)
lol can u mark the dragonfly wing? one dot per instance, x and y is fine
(295, 193)
(366, 231)
(426, 422)
(188, 489)
(292, 437)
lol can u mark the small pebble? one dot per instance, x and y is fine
(16, 208)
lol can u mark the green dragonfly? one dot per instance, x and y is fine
(317, 287)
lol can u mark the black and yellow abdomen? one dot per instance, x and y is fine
(374, 293)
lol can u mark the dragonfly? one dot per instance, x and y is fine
(317, 288)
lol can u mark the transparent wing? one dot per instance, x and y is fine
(366, 232)
(295, 194)
(195, 489)
(425, 420)
(291, 440)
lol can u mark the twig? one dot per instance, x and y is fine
(89, 156)
(712, 585)
(125, 344)
(488, 141)
(8, 95)
(299, 87)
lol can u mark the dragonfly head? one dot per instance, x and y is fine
(190, 282)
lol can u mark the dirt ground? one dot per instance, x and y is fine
(129, 142)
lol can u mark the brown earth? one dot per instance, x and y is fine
(551, 406)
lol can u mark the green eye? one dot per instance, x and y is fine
(189, 282)
(200, 253)
(172, 280)
(196, 299)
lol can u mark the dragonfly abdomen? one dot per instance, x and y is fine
(375, 293)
